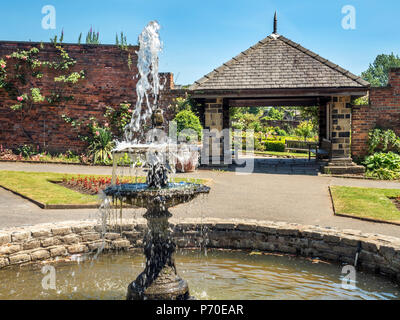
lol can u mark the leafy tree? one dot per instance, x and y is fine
(305, 129)
(310, 113)
(186, 119)
(186, 103)
(275, 114)
(378, 72)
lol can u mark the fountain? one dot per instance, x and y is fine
(159, 280)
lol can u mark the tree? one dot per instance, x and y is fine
(276, 114)
(378, 72)
(305, 129)
(189, 123)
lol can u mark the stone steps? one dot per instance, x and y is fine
(337, 169)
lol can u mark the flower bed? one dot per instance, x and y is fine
(91, 184)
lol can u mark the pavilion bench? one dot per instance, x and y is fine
(301, 146)
(322, 151)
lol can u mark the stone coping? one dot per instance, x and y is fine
(379, 254)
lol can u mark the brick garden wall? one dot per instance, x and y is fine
(383, 112)
(108, 82)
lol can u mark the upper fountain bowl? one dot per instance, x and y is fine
(140, 195)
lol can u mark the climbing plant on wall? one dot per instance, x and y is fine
(20, 76)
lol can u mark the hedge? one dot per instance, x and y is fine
(278, 146)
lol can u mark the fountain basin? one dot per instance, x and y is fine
(140, 195)
(311, 242)
(222, 274)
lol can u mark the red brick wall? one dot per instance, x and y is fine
(108, 82)
(383, 112)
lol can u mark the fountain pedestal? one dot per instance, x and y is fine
(159, 280)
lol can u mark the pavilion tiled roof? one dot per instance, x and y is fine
(277, 62)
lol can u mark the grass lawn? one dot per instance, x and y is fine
(369, 203)
(38, 186)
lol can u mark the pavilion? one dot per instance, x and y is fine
(279, 72)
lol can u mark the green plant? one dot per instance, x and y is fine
(362, 101)
(100, 145)
(92, 37)
(255, 125)
(118, 118)
(186, 120)
(20, 77)
(382, 165)
(377, 73)
(274, 114)
(98, 137)
(379, 160)
(28, 150)
(305, 129)
(383, 174)
(383, 140)
(185, 103)
(121, 42)
(278, 146)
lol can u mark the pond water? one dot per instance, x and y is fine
(218, 274)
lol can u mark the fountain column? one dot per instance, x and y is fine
(159, 280)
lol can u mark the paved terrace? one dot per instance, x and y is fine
(279, 190)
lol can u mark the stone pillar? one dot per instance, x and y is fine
(341, 127)
(322, 133)
(340, 136)
(213, 121)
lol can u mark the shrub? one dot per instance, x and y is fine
(384, 166)
(274, 114)
(258, 146)
(277, 146)
(119, 118)
(28, 150)
(383, 140)
(305, 129)
(100, 145)
(186, 120)
(383, 174)
(280, 132)
(379, 160)
(255, 125)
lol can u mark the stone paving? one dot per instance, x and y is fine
(295, 197)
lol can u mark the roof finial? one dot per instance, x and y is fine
(275, 24)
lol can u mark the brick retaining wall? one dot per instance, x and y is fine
(379, 254)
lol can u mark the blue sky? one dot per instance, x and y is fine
(199, 36)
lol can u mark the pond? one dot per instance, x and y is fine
(215, 274)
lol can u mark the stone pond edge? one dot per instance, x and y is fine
(379, 254)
